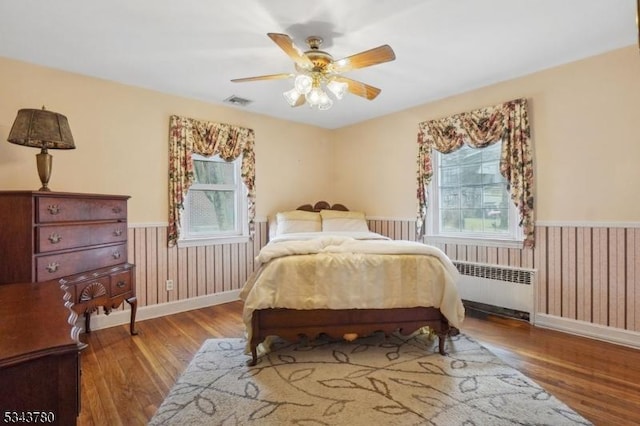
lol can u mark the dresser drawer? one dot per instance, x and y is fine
(120, 283)
(58, 209)
(62, 237)
(59, 265)
(92, 289)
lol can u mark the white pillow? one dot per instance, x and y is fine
(273, 227)
(298, 221)
(339, 221)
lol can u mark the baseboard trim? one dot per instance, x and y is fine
(121, 317)
(586, 329)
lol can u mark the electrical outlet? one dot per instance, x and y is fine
(169, 285)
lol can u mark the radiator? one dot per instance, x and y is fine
(500, 289)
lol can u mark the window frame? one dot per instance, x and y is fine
(513, 239)
(240, 233)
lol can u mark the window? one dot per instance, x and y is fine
(469, 197)
(215, 209)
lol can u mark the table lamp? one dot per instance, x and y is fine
(40, 128)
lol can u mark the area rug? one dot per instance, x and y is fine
(371, 381)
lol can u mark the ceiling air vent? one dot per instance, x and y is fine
(238, 101)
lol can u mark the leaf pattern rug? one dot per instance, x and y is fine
(372, 381)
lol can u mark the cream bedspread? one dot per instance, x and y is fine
(343, 272)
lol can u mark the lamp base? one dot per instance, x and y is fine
(44, 161)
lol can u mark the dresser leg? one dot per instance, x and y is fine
(133, 302)
(87, 322)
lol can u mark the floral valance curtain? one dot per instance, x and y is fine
(480, 128)
(188, 136)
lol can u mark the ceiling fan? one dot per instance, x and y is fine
(317, 71)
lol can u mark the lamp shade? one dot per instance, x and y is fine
(40, 128)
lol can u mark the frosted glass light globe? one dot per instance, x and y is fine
(303, 84)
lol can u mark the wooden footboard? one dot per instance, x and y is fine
(293, 324)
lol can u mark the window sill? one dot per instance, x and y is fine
(485, 242)
(212, 241)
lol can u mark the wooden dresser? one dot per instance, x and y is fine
(79, 239)
(39, 355)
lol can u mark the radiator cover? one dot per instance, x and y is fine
(499, 289)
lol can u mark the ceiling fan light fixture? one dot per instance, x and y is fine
(338, 88)
(292, 96)
(325, 102)
(303, 83)
(313, 97)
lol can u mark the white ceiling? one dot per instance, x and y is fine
(193, 48)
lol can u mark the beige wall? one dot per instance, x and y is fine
(121, 135)
(585, 121)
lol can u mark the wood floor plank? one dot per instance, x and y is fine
(91, 397)
(599, 380)
(125, 378)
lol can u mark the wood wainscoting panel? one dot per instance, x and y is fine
(554, 271)
(396, 229)
(600, 261)
(540, 263)
(584, 273)
(151, 252)
(195, 271)
(633, 279)
(617, 276)
(569, 285)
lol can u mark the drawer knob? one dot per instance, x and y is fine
(117, 232)
(120, 284)
(53, 267)
(53, 209)
(116, 255)
(55, 238)
(116, 210)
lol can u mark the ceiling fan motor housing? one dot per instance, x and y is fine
(319, 58)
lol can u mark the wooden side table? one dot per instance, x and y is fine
(39, 354)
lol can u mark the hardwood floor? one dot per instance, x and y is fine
(125, 378)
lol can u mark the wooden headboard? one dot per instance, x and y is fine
(322, 205)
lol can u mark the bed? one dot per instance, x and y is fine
(324, 272)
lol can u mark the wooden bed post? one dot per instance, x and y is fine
(255, 338)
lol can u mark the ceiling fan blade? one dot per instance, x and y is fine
(359, 88)
(262, 77)
(301, 101)
(377, 55)
(286, 44)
